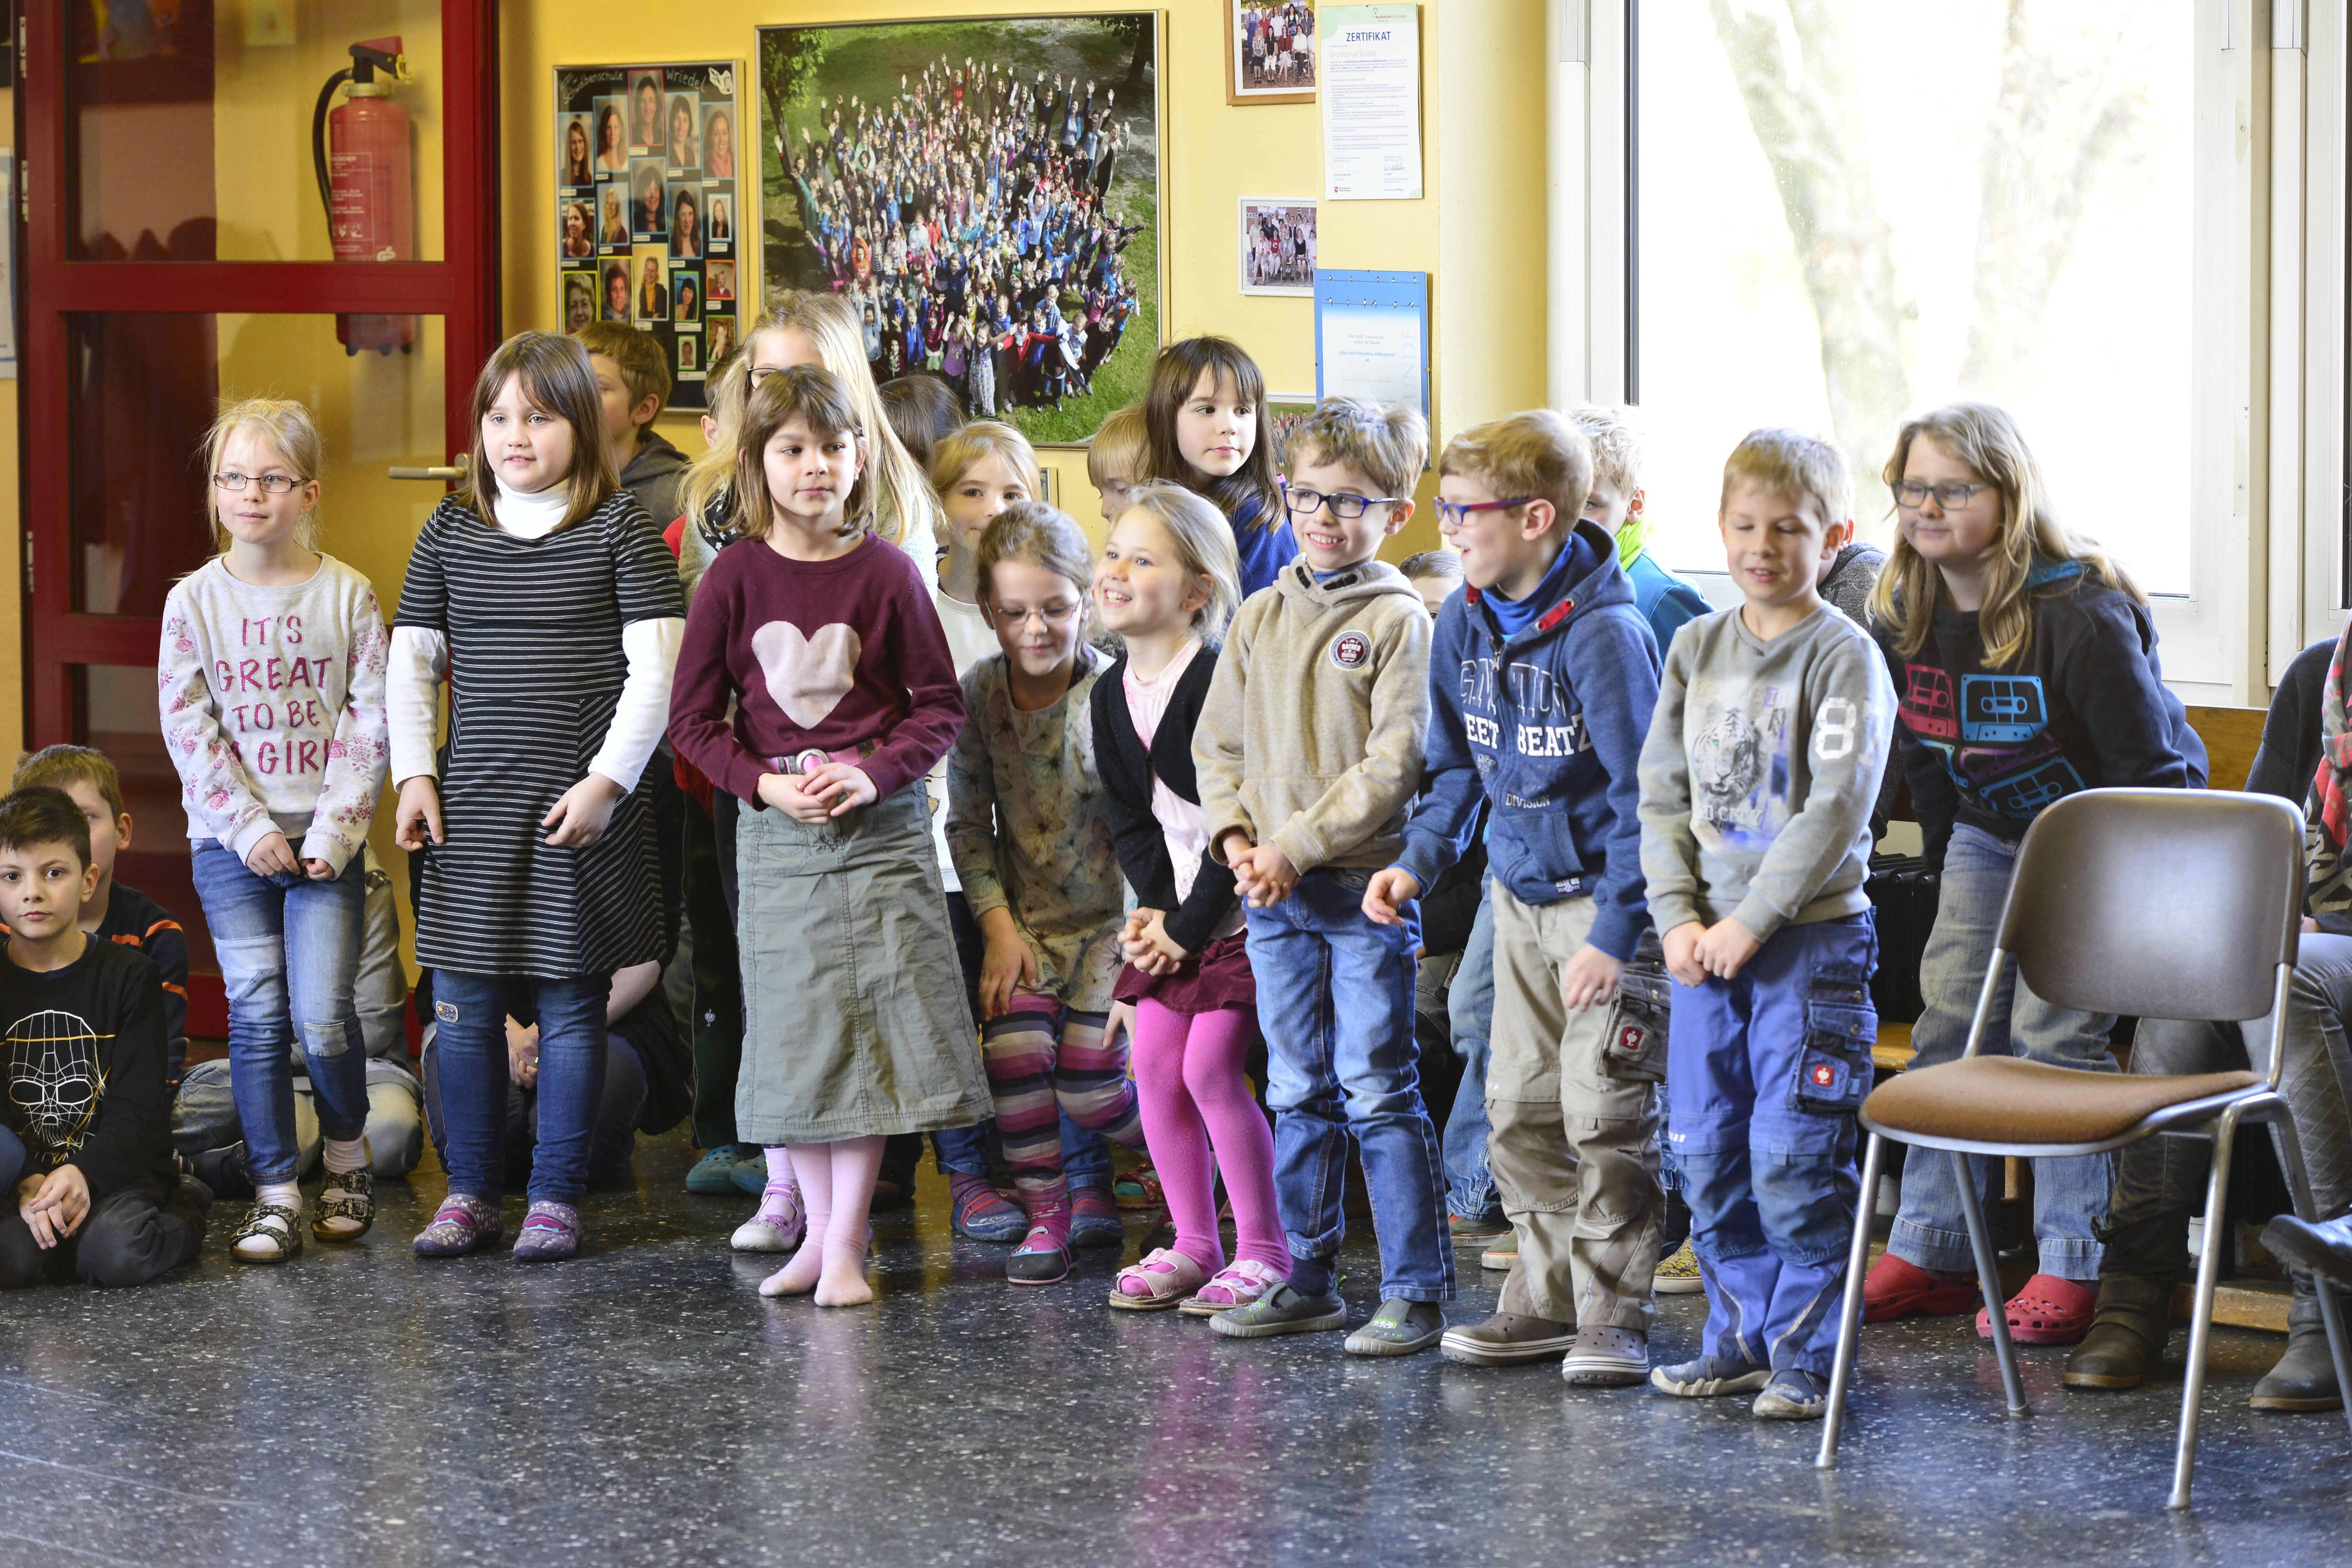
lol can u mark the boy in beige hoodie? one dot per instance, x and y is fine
(1308, 752)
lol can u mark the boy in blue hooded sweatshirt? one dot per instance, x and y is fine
(1542, 676)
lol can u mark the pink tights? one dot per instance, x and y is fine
(837, 1186)
(1189, 1068)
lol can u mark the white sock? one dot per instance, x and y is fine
(345, 1155)
(282, 1194)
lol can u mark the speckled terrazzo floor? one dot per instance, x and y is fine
(642, 1405)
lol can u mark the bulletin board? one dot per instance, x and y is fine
(1371, 336)
(647, 221)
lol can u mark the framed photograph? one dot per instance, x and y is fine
(1286, 411)
(718, 329)
(663, 141)
(1269, 51)
(991, 187)
(1277, 243)
(720, 280)
(689, 354)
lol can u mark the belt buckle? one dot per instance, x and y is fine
(809, 761)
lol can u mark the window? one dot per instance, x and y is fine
(1850, 210)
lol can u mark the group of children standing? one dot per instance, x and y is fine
(1028, 848)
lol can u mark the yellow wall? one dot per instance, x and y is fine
(12, 598)
(1478, 228)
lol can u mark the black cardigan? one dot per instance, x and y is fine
(1127, 774)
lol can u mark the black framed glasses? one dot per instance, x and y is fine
(1450, 515)
(1951, 495)
(1346, 506)
(271, 484)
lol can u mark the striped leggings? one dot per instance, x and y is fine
(1039, 1054)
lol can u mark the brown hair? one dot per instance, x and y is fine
(1985, 436)
(812, 393)
(922, 411)
(1533, 454)
(1204, 548)
(1174, 373)
(293, 430)
(637, 353)
(1386, 443)
(557, 380)
(1045, 537)
(31, 817)
(62, 767)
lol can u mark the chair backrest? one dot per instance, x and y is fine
(2159, 903)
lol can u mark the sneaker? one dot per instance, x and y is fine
(1281, 1311)
(1507, 1339)
(982, 1213)
(779, 1225)
(550, 1234)
(1469, 1232)
(1094, 1219)
(1501, 1254)
(1679, 1275)
(1399, 1328)
(1042, 1258)
(1139, 1189)
(1709, 1376)
(1793, 1394)
(462, 1224)
(1898, 1287)
(715, 1171)
(1608, 1358)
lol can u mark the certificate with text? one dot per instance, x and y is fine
(1370, 94)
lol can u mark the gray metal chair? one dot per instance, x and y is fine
(2155, 903)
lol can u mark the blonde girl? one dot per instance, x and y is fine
(1166, 585)
(817, 635)
(543, 582)
(271, 676)
(1030, 830)
(2027, 668)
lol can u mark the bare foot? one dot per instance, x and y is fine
(844, 1280)
(799, 1276)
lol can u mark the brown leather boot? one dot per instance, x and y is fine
(2304, 1378)
(2127, 1335)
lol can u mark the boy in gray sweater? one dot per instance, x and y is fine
(1762, 762)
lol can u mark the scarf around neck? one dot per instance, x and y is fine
(1632, 538)
(2328, 882)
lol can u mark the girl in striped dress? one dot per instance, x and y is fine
(543, 592)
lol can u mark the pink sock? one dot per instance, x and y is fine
(811, 1164)
(856, 1166)
(1216, 1056)
(1178, 1143)
(779, 1163)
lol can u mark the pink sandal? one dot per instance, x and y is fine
(1165, 1278)
(1238, 1284)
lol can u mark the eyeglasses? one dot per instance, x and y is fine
(1450, 515)
(1012, 620)
(1951, 495)
(1346, 506)
(271, 484)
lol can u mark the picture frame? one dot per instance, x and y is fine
(1063, 285)
(672, 158)
(1278, 238)
(1254, 32)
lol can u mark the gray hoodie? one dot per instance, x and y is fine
(653, 474)
(1310, 737)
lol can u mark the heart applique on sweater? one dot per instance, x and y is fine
(807, 676)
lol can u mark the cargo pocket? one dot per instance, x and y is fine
(1840, 1026)
(1636, 1046)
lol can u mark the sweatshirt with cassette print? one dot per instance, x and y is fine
(1761, 771)
(2087, 707)
(1547, 725)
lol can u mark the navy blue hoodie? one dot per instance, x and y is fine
(1548, 726)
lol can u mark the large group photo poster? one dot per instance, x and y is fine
(647, 207)
(985, 193)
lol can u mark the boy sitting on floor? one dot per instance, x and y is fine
(81, 1050)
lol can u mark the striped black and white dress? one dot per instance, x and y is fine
(536, 667)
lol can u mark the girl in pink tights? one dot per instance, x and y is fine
(1167, 583)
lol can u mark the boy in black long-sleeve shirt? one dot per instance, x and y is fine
(82, 1054)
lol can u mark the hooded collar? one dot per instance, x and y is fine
(1605, 584)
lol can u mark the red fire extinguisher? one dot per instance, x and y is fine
(360, 151)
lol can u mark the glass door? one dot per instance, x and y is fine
(221, 200)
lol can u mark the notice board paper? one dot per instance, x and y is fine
(1371, 95)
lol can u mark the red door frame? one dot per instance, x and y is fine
(463, 291)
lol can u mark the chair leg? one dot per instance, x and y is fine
(1988, 1279)
(2331, 1311)
(2200, 1315)
(1850, 1311)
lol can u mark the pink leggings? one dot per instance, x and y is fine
(1194, 1092)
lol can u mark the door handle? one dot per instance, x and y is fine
(453, 474)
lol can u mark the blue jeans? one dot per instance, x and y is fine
(1470, 1010)
(2070, 1197)
(289, 950)
(1335, 1003)
(469, 1043)
(1765, 1071)
(612, 1143)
